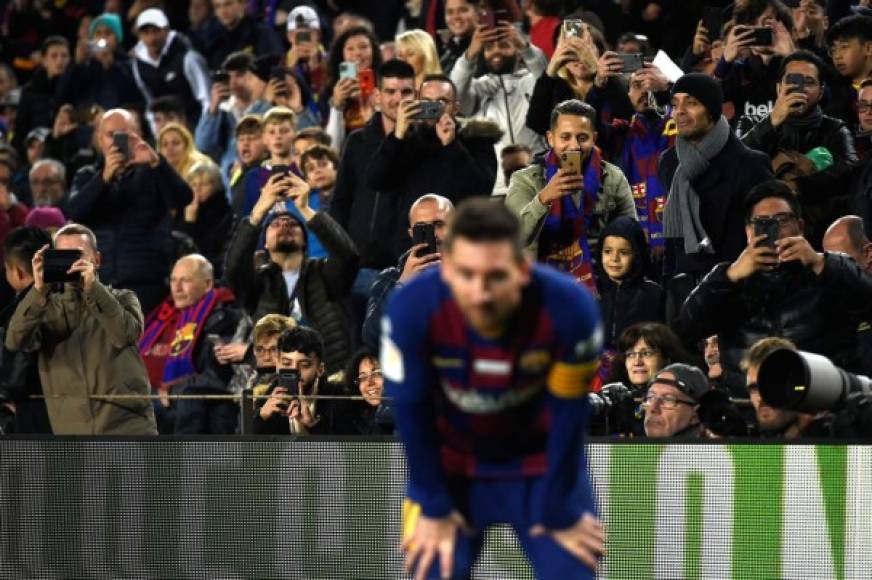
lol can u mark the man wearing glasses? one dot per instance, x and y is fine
(671, 402)
(809, 149)
(780, 286)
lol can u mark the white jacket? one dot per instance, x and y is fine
(503, 99)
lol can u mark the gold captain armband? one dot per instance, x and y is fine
(571, 380)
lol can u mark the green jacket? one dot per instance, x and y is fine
(615, 199)
(87, 345)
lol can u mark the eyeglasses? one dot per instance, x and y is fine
(783, 218)
(864, 106)
(630, 355)
(365, 378)
(666, 401)
(261, 350)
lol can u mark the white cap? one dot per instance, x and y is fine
(306, 16)
(152, 17)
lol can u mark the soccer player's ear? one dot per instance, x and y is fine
(526, 266)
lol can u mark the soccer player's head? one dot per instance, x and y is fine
(484, 264)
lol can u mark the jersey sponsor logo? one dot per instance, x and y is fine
(391, 357)
(497, 368)
(478, 403)
(441, 362)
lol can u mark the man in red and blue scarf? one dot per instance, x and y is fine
(565, 199)
(178, 349)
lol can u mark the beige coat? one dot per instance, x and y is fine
(87, 345)
(614, 200)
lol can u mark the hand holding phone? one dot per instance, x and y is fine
(424, 233)
(56, 266)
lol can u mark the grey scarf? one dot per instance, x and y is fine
(681, 214)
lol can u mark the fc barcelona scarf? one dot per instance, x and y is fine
(563, 240)
(647, 138)
(188, 324)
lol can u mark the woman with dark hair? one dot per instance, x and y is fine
(363, 376)
(644, 349)
(345, 102)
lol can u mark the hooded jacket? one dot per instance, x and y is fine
(322, 287)
(635, 299)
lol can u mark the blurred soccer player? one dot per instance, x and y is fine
(488, 362)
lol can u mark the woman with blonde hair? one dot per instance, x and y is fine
(417, 48)
(176, 143)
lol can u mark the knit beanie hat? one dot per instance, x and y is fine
(110, 21)
(704, 89)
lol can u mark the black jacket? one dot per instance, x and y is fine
(131, 217)
(210, 230)
(610, 102)
(37, 108)
(323, 285)
(250, 35)
(365, 213)
(88, 83)
(635, 299)
(379, 293)
(749, 89)
(335, 415)
(420, 164)
(722, 190)
(818, 313)
(453, 49)
(817, 187)
(19, 379)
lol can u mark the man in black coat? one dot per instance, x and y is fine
(282, 279)
(127, 199)
(780, 288)
(433, 156)
(366, 213)
(236, 31)
(708, 173)
(797, 126)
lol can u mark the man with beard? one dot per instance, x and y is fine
(795, 134)
(563, 210)
(503, 93)
(772, 422)
(282, 279)
(433, 155)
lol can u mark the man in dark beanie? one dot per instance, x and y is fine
(707, 173)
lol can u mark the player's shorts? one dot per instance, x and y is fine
(484, 502)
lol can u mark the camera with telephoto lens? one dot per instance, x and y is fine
(614, 410)
(810, 383)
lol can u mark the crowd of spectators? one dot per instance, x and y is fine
(207, 197)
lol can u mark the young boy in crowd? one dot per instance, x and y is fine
(309, 136)
(278, 139)
(249, 151)
(626, 296)
(850, 44)
(319, 165)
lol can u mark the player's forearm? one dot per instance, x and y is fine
(427, 484)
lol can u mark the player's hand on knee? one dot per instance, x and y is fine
(585, 539)
(433, 538)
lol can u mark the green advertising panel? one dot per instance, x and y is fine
(279, 508)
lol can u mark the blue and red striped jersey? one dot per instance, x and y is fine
(470, 406)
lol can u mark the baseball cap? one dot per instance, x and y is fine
(152, 17)
(40, 133)
(688, 379)
(303, 17)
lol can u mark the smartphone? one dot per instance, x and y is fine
(277, 73)
(795, 83)
(430, 111)
(221, 76)
(290, 380)
(487, 18)
(573, 28)
(366, 79)
(768, 226)
(56, 263)
(713, 20)
(570, 161)
(424, 234)
(502, 15)
(303, 36)
(84, 115)
(631, 62)
(122, 143)
(347, 70)
(762, 36)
